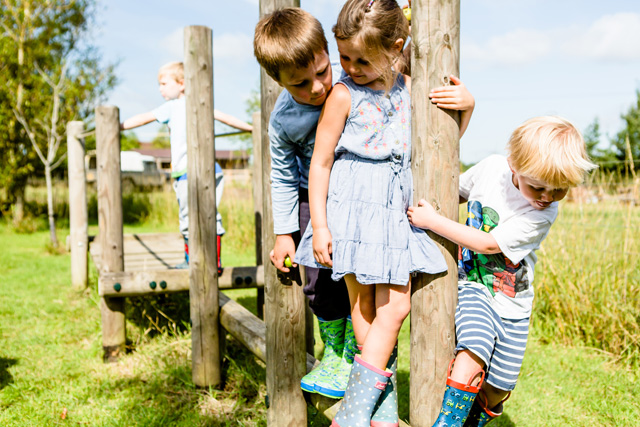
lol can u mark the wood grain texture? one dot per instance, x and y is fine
(435, 163)
(198, 73)
(78, 213)
(110, 225)
(284, 304)
(145, 282)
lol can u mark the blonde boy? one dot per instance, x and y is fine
(173, 113)
(512, 204)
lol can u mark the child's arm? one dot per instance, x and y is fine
(138, 120)
(285, 185)
(229, 120)
(425, 216)
(455, 97)
(330, 126)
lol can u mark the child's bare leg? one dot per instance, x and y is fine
(363, 309)
(392, 305)
(494, 395)
(465, 366)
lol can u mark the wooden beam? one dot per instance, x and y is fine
(110, 225)
(136, 283)
(284, 303)
(435, 53)
(256, 180)
(78, 215)
(203, 268)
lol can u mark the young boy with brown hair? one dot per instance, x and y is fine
(512, 203)
(291, 47)
(174, 114)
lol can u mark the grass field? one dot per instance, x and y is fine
(580, 368)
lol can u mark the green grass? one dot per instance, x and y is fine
(50, 359)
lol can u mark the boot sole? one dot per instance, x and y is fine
(327, 392)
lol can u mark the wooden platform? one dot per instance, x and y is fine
(145, 252)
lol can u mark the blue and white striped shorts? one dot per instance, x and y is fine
(499, 342)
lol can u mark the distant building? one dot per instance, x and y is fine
(228, 159)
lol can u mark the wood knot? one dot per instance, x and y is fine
(446, 39)
(446, 81)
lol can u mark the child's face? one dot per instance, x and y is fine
(309, 85)
(355, 65)
(538, 193)
(170, 88)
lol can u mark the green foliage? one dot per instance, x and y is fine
(51, 74)
(162, 139)
(631, 130)
(129, 140)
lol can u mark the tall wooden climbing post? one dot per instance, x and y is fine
(435, 55)
(284, 304)
(110, 225)
(201, 177)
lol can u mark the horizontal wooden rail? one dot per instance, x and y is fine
(251, 332)
(135, 283)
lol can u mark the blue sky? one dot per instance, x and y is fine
(524, 58)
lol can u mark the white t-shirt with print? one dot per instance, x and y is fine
(517, 227)
(173, 113)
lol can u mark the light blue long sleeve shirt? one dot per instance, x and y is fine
(292, 136)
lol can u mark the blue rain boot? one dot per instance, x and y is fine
(334, 384)
(480, 415)
(184, 264)
(385, 414)
(332, 334)
(366, 384)
(457, 401)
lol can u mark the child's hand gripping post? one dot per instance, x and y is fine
(421, 216)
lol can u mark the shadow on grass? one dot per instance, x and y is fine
(169, 397)
(5, 376)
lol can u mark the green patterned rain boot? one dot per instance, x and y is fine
(480, 415)
(385, 414)
(366, 384)
(332, 334)
(335, 383)
(457, 401)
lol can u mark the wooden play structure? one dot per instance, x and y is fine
(136, 265)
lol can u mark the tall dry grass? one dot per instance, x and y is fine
(588, 274)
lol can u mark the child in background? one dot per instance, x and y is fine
(360, 189)
(291, 47)
(512, 204)
(174, 114)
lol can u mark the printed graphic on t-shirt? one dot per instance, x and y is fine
(495, 271)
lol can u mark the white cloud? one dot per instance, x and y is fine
(516, 48)
(173, 44)
(612, 37)
(237, 47)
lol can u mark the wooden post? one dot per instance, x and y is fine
(110, 225)
(257, 200)
(78, 216)
(201, 177)
(435, 162)
(285, 304)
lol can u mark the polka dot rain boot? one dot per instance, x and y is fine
(480, 415)
(332, 334)
(457, 401)
(335, 384)
(385, 414)
(366, 384)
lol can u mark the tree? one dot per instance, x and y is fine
(129, 141)
(53, 75)
(631, 131)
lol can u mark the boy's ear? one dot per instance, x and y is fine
(398, 45)
(511, 167)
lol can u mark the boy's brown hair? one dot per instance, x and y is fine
(173, 69)
(550, 149)
(288, 38)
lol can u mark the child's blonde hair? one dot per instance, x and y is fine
(549, 149)
(288, 38)
(375, 26)
(172, 69)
